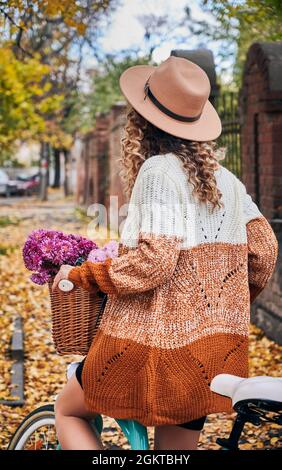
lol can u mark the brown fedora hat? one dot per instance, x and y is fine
(174, 97)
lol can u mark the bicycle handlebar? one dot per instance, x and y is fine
(65, 285)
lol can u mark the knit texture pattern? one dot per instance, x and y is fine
(179, 294)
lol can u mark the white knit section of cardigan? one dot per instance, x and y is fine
(162, 203)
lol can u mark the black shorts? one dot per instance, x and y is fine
(196, 424)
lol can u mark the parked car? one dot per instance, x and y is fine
(4, 179)
(28, 184)
(7, 186)
(23, 185)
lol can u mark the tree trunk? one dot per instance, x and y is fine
(67, 189)
(57, 168)
(44, 170)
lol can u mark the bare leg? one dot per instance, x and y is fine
(169, 437)
(73, 430)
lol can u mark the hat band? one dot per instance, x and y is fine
(167, 111)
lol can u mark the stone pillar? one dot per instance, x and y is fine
(261, 114)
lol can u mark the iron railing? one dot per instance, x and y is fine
(227, 107)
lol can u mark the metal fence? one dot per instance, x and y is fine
(228, 108)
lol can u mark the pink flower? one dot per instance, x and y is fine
(111, 249)
(97, 255)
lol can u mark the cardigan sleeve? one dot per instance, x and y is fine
(152, 260)
(262, 254)
(262, 245)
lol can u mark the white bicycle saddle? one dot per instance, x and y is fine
(253, 388)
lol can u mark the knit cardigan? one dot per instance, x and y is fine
(179, 295)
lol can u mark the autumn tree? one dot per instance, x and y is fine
(239, 24)
(53, 30)
(24, 101)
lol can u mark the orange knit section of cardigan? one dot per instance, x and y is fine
(160, 386)
(262, 254)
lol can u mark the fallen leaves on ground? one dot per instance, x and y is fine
(45, 371)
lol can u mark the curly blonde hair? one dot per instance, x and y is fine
(142, 140)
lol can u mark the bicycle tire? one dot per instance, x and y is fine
(39, 415)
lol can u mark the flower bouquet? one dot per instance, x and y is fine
(75, 315)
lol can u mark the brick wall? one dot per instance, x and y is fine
(116, 131)
(98, 167)
(92, 168)
(261, 114)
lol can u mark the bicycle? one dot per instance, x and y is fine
(256, 400)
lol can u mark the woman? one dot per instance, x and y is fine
(194, 252)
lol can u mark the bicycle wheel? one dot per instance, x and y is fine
(37, 431)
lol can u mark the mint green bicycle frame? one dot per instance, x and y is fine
(135, 432)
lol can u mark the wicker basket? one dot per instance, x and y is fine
(75, 319)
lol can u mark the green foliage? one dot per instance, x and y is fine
(106, 90)
(81, 214)
(276, 5)
(241, 23)
(7, 220)
(73, 119)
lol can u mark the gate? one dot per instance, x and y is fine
(227, 106)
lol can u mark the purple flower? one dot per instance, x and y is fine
(85, 246)
(40, 278)
(46, 250)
